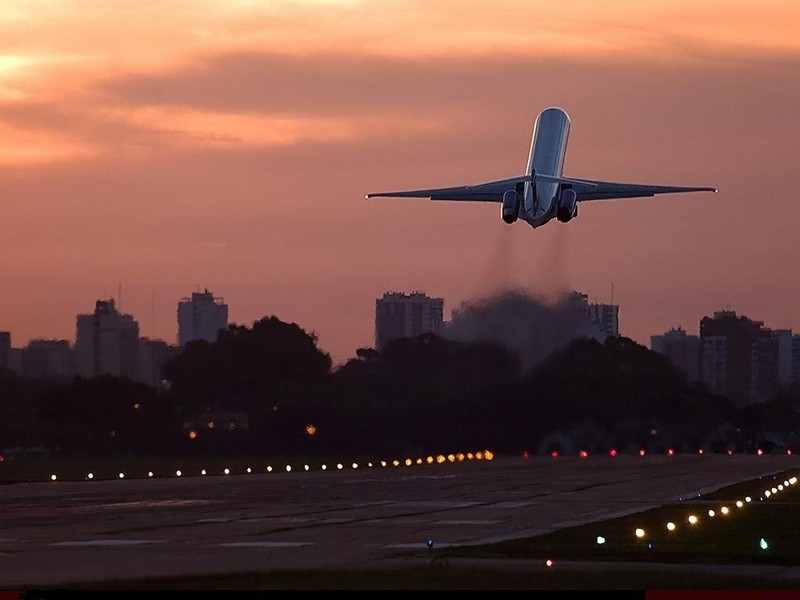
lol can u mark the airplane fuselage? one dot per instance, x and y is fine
(546, 157)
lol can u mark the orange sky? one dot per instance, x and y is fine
(169, 145)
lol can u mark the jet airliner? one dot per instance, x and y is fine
(543, 193)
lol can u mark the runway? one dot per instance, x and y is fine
(58, 533)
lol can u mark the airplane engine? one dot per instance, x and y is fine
(510, 206)
(567, 206)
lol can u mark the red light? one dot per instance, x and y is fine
(789, 451)
(583, 453)
(670, 452)
(2, 458)
(612, 452)
(549, 563)
(730, 452)
(642, 452)
(700, 451)
(759, 452)
(554, 454)
(525, 454)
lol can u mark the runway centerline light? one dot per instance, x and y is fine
(639, 532)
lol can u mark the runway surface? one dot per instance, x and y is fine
(369, 518)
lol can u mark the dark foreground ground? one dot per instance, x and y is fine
(371, 528)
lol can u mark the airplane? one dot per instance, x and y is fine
(542, 193)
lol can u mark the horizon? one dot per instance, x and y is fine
(158, 146)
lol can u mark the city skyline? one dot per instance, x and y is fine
(173, 145)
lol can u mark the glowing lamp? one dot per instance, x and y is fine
(395, 463)
(670, 452)
(554, 454)
(227, 471)
(724, 510)
(639, 532)
(53, 477)
(122, 475)
(549, 563)
(739, 504)
(288, 469)
(324, 467)
(428, 460)
(692, 520)
(269, 468)
(90, 476)
(383, 463)
(203, 472)
(700, 451)
(249, 470)
(748, 499)
(642, 452)
(178, 473)
(583, 453)
(711, 512)
(762, 543)
(612, 452)
(418, 461)
(306, 467)
(600, 540)
(339, 466)
(670, 526)
(149, 473)
(354, 465)
(774, 490)
(526, 454)
(767, 493)
(759, 452)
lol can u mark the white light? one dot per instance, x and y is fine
(711, 513)
(339, 466)
(288, 468)
(670, 526)
(227, 471)
(786, 483)
(383, 463)
(355, 465)
(122, 475)
(149, 473)
(639, 532)
(324, 467)
(369, 464)
(724, 510)
(774, 490)
(178, 473)
(90, 476)
(763, 544)
(793, 480)
(306, 467)
(269, 469)
(53, 477)
(692, 519)
(249, 470)
(748, 499)
(739, 504)
(203, 472)
(780, 487)
(601, 540)
(767, 493)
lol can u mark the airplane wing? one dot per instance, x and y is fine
(491, 191)
(604, 190)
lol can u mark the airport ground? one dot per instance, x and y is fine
(374, 525)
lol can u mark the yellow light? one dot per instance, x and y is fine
(479, 455)
(739, 504)
(470, 456)
(409, 462)
(178, 473)
(136, 406)
(460, 457)
(122, 475)
(692, 520)
(311, 430)
(429, 460)
(440, 458)
(192, 434)
(639, 532)
(488, 455)
(451, 457)
(395, 463)
(53, 477)
(288, 468)
(418, 461)
(269, 469)
(383, 463)
(227, 471)
(711, 512)
(724, 510)
(670, 526)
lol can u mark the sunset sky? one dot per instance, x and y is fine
(164, 147)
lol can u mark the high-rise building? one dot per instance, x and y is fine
(795, 378)
(605, 317)
(784, 337)
(107, 343)
(47, 358)
(682, 350)
(399, 315)
(201, 317)
(5, 349)
(738, 357)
